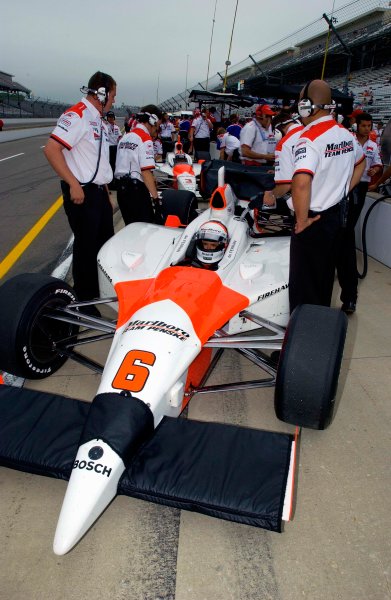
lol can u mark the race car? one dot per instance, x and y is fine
(179, 171)
(175, 318)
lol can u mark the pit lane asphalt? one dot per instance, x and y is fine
(336, 548)
(28, 187)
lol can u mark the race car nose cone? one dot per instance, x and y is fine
(92, 486)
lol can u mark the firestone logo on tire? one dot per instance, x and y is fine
(66, 292)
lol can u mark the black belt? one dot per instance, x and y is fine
(86, 185)
(333, 209)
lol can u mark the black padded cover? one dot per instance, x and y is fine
(124, 422)
(225, 471)
(40, 433)
(220, 470)
(245, 181)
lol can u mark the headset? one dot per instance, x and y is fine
(152, 118)
(101, 93)
(306, 106)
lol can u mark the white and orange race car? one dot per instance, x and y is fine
(179, 172)
(174, 321)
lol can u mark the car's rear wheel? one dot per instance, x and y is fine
(309, 366)
(180, 203)
(29, 338)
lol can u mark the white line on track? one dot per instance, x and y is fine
(14, 156)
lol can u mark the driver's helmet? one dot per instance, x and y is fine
(211, 242)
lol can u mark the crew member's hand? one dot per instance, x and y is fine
(301, 225)
(269, 198)
(76, 193)
(372, 188)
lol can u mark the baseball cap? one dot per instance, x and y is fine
(110, 114)
(264, 109)
(356, 112)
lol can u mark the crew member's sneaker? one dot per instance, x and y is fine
(349, 307)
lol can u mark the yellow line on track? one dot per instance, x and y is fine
(30, 236)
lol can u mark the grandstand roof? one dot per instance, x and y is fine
(8, 85)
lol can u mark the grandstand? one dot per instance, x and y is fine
(16, 101)
(358, 57)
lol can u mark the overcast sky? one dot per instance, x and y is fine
(147, 46)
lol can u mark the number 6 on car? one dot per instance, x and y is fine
(133, 374)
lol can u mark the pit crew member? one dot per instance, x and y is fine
(228, 145)
(167, 133)
(200, 131)
(78, 150)
(136, 189)
(114, 135)
(346, 260)
(328, 163)
(288, 129)
(257, 140)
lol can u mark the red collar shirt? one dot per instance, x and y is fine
(285, 160)
(135, 153)
(328, 153)
(79, 130)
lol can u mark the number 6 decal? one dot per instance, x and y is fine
(133, 372)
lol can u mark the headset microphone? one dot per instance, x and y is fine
(100, 93)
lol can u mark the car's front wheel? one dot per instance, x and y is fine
(29, 337)
(309, 366)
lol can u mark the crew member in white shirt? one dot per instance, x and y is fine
(137, 194)
(228, 145)
(200, 131)
(346, 261)
(287, 130)
(78, 150)
(167, 134)
(114, 135)
(257, 140)
(328, 163)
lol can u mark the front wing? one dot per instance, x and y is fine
(234, 473)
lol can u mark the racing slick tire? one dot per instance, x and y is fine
(27, 337)
(309, 365)
(180, 203)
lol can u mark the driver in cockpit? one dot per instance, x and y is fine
(208, 246)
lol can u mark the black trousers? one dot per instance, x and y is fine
(312, 260)
(92, 225)
(202, 144)
(346, 259)
(167, 146)
(134, 201)
(112, 158)
(184, 135)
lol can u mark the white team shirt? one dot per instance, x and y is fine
(328, 152)
(201, 128)
(372, 157)
(285, 160)
(166, 129)
(259, 140)
(229, 143)
(135, 153)
(114, 134)
(79, 130)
